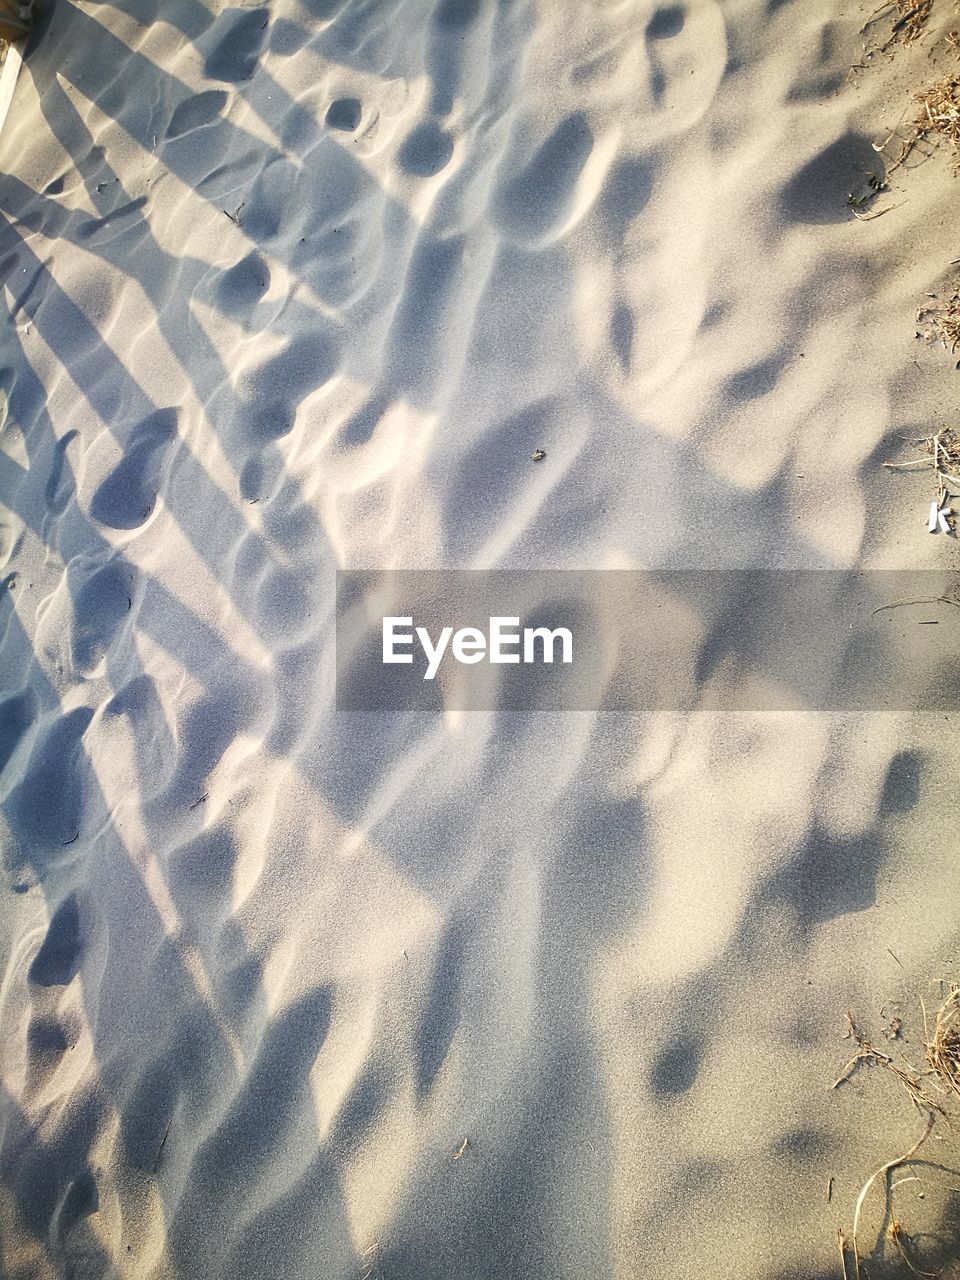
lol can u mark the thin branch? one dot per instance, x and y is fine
(882, 1173)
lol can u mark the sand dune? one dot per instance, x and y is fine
(299, 287)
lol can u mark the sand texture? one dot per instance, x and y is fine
(300, 286)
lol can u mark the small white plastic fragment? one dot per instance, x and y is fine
(932, 521)
(943, 522)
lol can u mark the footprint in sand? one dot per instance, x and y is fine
(96, 232)
(50, 1037)
(147, 1117)
(677, 1066)
(231, 48)
(238, 289)
(285, 601)
(425, 151)
(195, 112)
(819, 192)
(902, 785)
(17, 714)
(344, 115)
(103, 608)
(534, 206)
(45, 808)
(270, 391)
(666, 22)
(57, 962)
(442, 1011)
(262, 476)
(484, 484)
(60, 488)
(198, 158)
(449, 50)
(272, 207)
(253, 1141)
(81, 1201)
(138, 701)
(622, 330)
(128, 496)
(201, 875)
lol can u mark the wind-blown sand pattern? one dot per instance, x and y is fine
(301, 286)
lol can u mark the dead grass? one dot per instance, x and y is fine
(909, 1077)
(943, 1048)
(940, 113)
(939, 319)
(939, 119)
(911, 20)
(932, 1088)
(941, 455)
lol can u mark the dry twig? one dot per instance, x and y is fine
(942, 1069)
(941, 454)
(908, 1077)
(843, 1251)
(882, 1173)
(897, 1233)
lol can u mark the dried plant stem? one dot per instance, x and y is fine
(910, 1079)
(843, 1251)
(898, 1235)
(902, 604)
(943, 1050)
(882, 1173)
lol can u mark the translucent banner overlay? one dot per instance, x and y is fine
(645, 641)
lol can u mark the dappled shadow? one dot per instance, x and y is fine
(209, 1082)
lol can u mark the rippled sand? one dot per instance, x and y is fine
(302, 286)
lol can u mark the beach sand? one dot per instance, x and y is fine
(299, 287)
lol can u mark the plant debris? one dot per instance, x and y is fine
(941, 453)
(910, 21)
(909, 1077)
(941, 112)
(931, 1087)
(938, 521)
(898, 1235)
(881, 1173)
(939, 118)
(939, 319)
(951, 597)
(943, 1051)
(859, 200)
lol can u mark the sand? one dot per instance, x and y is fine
(299, 287)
